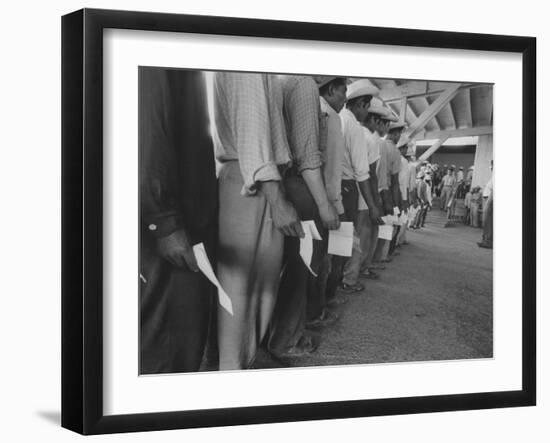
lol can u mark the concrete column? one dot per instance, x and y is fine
(482, 161)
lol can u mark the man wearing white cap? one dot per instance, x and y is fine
(447, 186)
(399, 194)
(460, 174)
(404, 181)
(389, 185)
(365, 228)
(470, 175)
(356, 166)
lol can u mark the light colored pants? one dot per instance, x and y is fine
(446, 194)
(402, 236)
(249, 265)
(474, 214)
(363, 228)
(488, 221)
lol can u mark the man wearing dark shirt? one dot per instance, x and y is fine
(178, 205)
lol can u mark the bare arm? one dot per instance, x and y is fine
(396, 193)
(374, 184)
(284, 215)
(327, 211)
(365, 187)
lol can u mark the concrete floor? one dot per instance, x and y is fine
(433, 302)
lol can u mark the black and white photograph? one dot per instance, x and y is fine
(292, 220)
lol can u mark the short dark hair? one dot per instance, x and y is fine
(374, 116)
(392, 130)
(336, 82)
(358, 101)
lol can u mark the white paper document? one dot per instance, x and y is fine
(340, 241)
(390, 219)
(385, 232)
(204, 265)
(306, 243)
(412, 214)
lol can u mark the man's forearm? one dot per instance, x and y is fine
(273, 191)
(315, 184)
(412, 197)
(396, 193)
(374, 184)
(365, 187)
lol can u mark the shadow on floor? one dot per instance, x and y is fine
(54, 417)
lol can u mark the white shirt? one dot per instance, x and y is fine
(333, 154)
(373, 151)
(488, 190)
(355, 164)
(404, 174)
(373, 145)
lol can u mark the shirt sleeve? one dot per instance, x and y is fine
(159, 197)
(333, 161)
(394, 160)
(358, 153)
(248, 108)
(302, 109)
(404, 178)
(373, 148)
(412, 177)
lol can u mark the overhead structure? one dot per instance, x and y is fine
(439, 111)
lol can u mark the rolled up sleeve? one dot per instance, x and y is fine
(358, 153)
(245, 110)
(302, 116)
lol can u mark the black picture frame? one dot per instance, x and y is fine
(82, 219)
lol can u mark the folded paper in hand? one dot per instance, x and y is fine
(385, 232)
(306, 243)
(204, 265)
(340, 241)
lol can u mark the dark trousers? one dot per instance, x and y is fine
(350, 201)
(175, 308)
(289, 317)
(488, 222)
(393, 242)
(317, 286)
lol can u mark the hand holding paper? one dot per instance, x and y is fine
(204, 265)
(340, 241)
(385, 232)
(306, 243)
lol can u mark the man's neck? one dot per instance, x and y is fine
(371, 128)
(354, 114)
(328, 103)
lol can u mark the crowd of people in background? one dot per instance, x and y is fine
(289, 149)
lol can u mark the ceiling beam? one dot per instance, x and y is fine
(452, 115)
(419, 89)
(468, 106)
(431, 150)
(403, 109)
(432, 110)
(463, 132)
(434, 122)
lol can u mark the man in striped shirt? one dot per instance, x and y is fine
(305, 188)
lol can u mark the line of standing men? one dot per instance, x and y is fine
(288, 152)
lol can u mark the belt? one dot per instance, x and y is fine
(289, 171)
